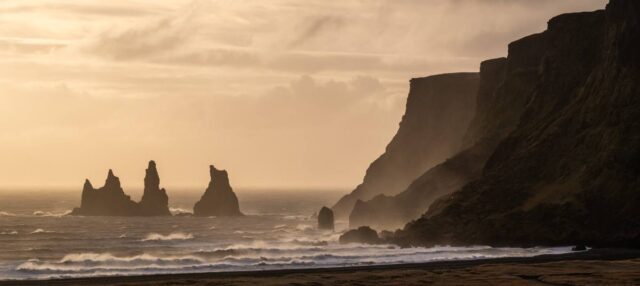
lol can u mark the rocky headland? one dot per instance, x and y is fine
(569, 172)
(438, 111)
(506, 86)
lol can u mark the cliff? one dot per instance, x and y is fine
(109, 200)
(569, 173)
(506, 86)
(218, 199)
(422, 140)
(155, 201)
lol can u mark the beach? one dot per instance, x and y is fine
(593, 267)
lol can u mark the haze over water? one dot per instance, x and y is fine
(37, 241)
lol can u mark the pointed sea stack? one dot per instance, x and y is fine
(110, 200)
(219, 199)
(155, 201)
(325, 219)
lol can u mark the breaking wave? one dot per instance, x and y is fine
(13, 232)
(7, 214)
(39, 230)
(176, 211)
(51, 214)
(172, 236)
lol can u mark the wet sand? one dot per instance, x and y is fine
(594, 267)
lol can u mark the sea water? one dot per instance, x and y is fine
(39, 241)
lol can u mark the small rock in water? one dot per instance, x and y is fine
(363, 234)
(579, 248)
(325, 219)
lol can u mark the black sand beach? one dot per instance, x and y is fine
(593, 267)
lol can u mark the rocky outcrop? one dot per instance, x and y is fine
(155, 201)
(218, 199)
(109, 200)
(506, 86)
(439, 109)
(569, 173)
(325, 219)
(363, 234)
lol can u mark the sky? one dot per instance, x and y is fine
(281, 93)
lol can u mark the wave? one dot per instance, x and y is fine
(13, 232)
(172, 236)
(51, 214)
(304, 227)
(176, 211)
(39, 230)
(7, 214)
(83, 262)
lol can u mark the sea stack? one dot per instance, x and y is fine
(219, 199)
(110, 200)
(155, 201)
(325, 219)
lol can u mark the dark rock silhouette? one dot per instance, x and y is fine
(219, 199)
(569, 173)
(439, 109)
(110, 200)
(579, 248)
(155, 201)
(325, 218)
(506, 86)
(363, 234)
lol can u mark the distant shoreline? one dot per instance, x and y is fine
(603, 255)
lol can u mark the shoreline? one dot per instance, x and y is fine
(593, 255)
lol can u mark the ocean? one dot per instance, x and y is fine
(38, 240)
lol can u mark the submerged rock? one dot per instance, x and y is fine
(155, 201)
(218, 199)
(363, 234)
(110, 200)
(325, 219)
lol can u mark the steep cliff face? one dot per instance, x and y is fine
(110, 200)
(506, 85)
(219, 199)
(569, 173)
(423, 140)
(155, 201)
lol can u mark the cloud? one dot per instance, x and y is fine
(73, 8)
(282, 93)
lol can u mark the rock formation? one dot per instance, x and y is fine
(110, 200)
(569, 172)
(325, 219)
(219, 199)
(439, 109)
(155, 201)
(506, 86)
(363, 234)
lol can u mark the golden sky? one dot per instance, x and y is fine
(282, 93)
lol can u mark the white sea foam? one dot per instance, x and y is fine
(13, 232)
(304, 227)
(172, 236)
(7, 214)
(176, 211)
(51, 214)
(39, 230)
